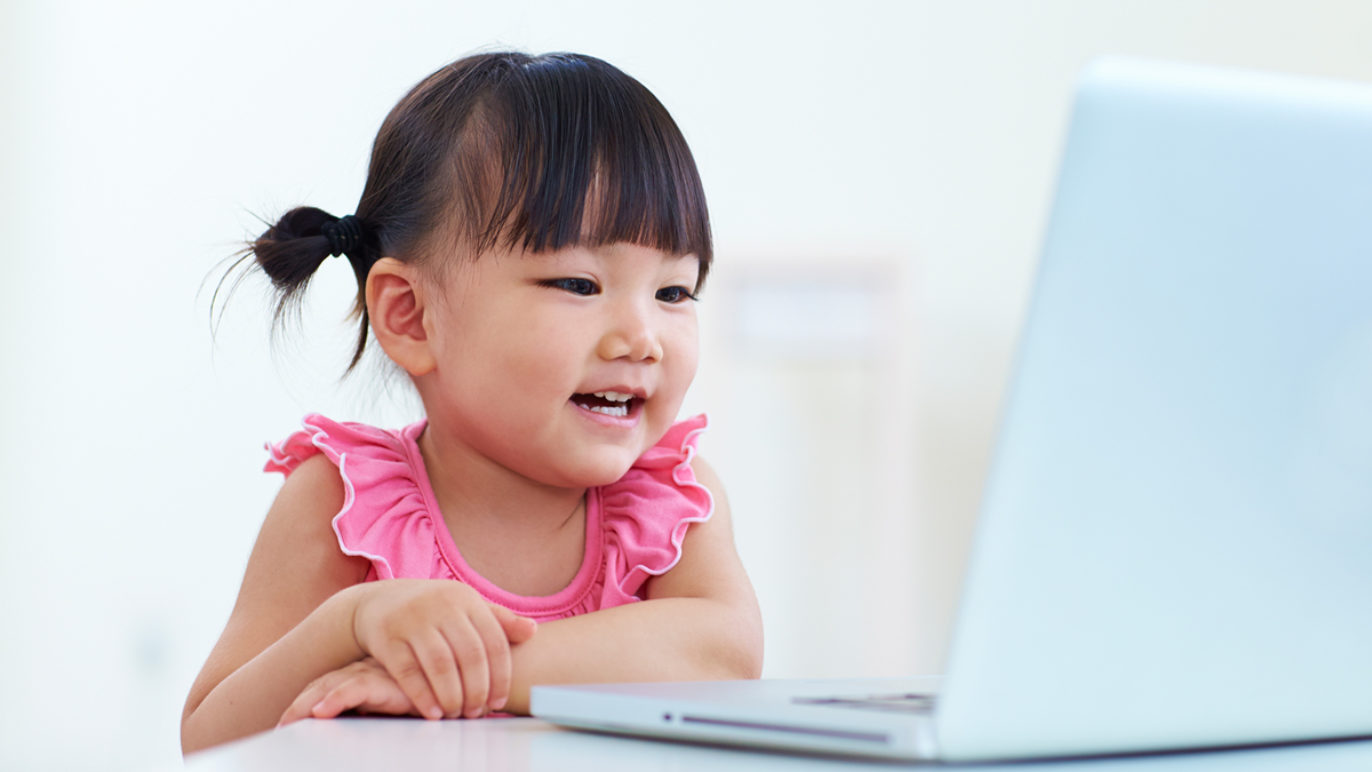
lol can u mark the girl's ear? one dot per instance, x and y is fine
(395, 304)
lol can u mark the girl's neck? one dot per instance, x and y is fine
(525, 537)
(474, 490)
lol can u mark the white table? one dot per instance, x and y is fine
(518, 744)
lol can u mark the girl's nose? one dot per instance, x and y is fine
(631, 337)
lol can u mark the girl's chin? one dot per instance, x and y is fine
(605, 474)
(594, 467)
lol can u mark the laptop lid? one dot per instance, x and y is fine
(1175, 543)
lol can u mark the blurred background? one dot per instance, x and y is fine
(879, 174)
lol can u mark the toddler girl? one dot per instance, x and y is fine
(528, 248)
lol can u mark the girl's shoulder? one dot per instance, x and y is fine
(387, 514)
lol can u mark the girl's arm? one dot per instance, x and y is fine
(701, 622)
(302, 613)
(289, 620)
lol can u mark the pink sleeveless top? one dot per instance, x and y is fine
(634, 527)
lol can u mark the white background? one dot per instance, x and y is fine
(878, 174)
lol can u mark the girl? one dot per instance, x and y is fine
(528, 249)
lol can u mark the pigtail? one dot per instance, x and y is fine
(290, 251)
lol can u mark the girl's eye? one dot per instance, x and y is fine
(575, 286)
(674, 295)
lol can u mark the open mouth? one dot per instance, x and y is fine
(610, 403)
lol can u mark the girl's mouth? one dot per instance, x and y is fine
(610, 403)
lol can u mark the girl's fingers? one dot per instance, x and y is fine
(362, 686)
(446, 649)
(373, 693)
(345, 696)
(310, 695)
(498, 657)
(301, 707)
(470, 650)
(403, 664)
(446, 674)
(517, 629)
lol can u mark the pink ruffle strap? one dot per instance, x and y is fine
(635, 526)
(383, 518)
(648, 511)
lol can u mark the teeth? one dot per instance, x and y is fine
(620, 410)
(614, 396)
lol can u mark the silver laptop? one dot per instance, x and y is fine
(1175, 544)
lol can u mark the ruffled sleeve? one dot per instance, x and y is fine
(647, 512)
(384, 517)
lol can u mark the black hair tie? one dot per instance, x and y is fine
(344, 235)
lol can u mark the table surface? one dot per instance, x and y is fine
(518, 744)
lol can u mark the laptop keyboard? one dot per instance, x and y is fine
(887, 703)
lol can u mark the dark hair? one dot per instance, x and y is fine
(508, 149)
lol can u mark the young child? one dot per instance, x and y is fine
(528, 248)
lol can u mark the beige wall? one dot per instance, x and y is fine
(900, 151)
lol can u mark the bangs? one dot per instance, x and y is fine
(567, 151)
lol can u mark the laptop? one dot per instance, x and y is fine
(1174, 549)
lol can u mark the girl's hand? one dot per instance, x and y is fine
(363, 686)
(445, 647)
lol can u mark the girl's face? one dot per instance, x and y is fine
(562, 366)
